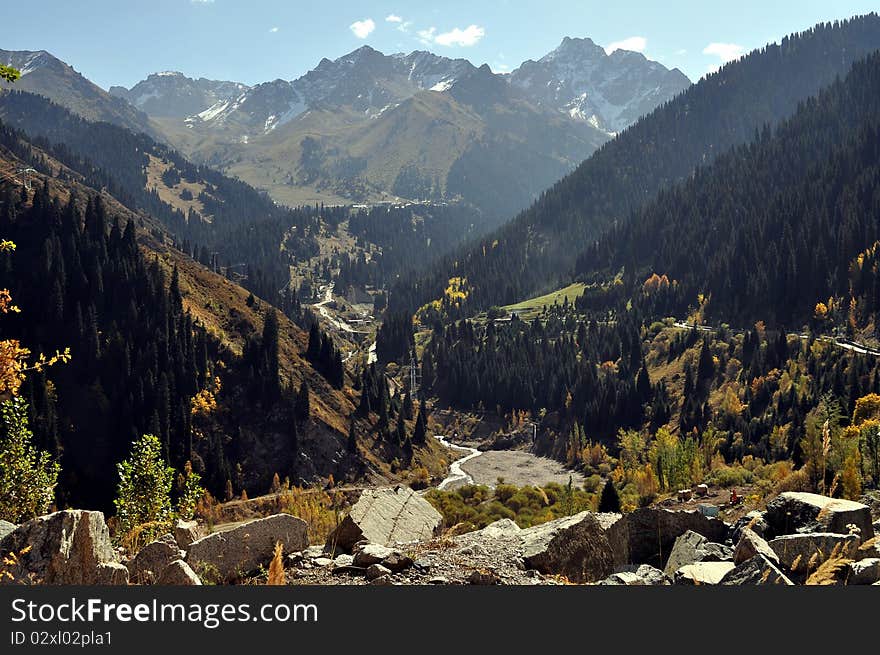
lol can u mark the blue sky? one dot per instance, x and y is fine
(121, 41)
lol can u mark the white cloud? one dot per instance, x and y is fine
(681, 52)
(634, 43)
(466, 37)
(402, 25)
(362, 28)
(724, 51)
(202, 2)
(427, 36)
(273, 30)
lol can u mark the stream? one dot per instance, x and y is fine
(456, 474)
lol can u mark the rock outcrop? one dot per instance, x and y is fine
(387, 517)
(151, 560)
(68, 547)
(178, 573)
(227, 556)
(864, 572)
(186, 532)
(749, 545)
(637, 576)
(650, 532)
(575, 546)
(703, 573)
(5, 528)
(691, 548)
(797, 512)
(758, 570)
(803, 553)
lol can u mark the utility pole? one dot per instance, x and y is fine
(414, 376)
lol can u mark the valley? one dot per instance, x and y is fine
(405, 319)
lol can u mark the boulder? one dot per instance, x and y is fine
(369, 554)
(869, 549)
(186, 532)
(226, 556)
(637, 576)
(803, 553)
(750, 544)
(690, 548)
(386, 517)
(574, 546)
(703, 573)
(618, 536)
(71, 547)
(483, 578)
(178, 573)
(343, 560)
(864, 572)
(397, 562)
(376, 571)
(759, 570)
(754, 520)
(152, 559)
(794, 512)
(5, 528)
(651, 532)
(501, 528)
(112, 573)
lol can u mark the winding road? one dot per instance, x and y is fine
(844, 344)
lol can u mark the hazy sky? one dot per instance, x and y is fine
(122, 41)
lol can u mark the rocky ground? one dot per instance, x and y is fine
(393, 536)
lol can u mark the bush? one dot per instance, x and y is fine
(27, 476)
(731, 476)
(143, 503)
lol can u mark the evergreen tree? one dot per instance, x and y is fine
(303, 404)
(609, 501)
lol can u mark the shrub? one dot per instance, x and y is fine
(143, 503)
(27, 475)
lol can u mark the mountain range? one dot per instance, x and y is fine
(536, 251)
(370, 127)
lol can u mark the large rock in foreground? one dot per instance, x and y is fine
(227, 556)
(703, 573)
(804, 553)
(66, 548)
(798, 512)
(691, 548)
(758, 570)
(574, 546)
(151, 560)
(387, 517)
(6, 528)
(750, 544)
(651, 532)
(637, 576)
(178, 574)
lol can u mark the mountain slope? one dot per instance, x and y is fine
(537, 250)
(772, 228)
(610, 92)
(199, 206)
(173, 95)
(369, 127)
(149, 328)
(45, 75)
